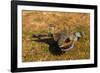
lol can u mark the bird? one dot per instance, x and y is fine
(58, 43)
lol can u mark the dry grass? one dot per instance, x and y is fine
(35, 22)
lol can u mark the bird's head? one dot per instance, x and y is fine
(78, 35)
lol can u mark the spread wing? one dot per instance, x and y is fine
(39, 35)
(45, 40)
(67, 46)
(64, 42)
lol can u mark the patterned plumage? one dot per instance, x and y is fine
(58, 42)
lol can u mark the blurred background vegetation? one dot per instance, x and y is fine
(36, 22)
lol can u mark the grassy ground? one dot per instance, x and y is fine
(36, 22)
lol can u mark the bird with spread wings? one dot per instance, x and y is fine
(58, 42)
